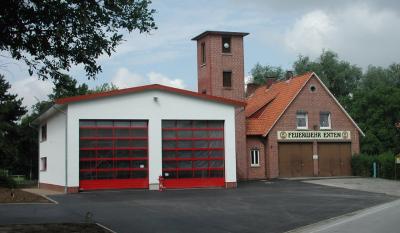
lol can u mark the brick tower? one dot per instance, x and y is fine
(220, 69)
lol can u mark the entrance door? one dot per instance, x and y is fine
(193, 153)
(113, 154)
(334, 159)
(295, 159)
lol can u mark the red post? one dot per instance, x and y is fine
(161, 183)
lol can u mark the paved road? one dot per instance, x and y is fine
(276, 206)
(383, 219)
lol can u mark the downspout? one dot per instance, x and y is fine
(66, 147)
(265, 143)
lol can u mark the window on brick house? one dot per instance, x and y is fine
(43, 132)
(227, 79)
(302, 120)
(325, 120)
(226, 44)
(43, 164)
(255, 157)
(203, 53)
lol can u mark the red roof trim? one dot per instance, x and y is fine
(159, 87)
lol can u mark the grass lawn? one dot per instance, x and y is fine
(20, 197)
(53, 227)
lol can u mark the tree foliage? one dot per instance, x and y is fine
(11, 110)
(103, 88)
(339, 76)
(50, 35)
(67, 86)
(376, 107)
(259, 73)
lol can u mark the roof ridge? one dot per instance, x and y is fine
(159, 87)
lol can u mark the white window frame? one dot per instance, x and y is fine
(255, 156)
(329, 121)
(306, 117)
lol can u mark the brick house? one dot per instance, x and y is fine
(294, 127)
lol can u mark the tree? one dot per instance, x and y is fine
(103, 88)
(66, 86)
(260, 73)
(339, 76)
(376, 107)
(11, 110)
(51, 36)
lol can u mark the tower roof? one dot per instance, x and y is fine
(223, 33)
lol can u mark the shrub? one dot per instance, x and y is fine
(361, 165)
(386, 162)
(8, 182)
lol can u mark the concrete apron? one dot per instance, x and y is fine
(357, 221)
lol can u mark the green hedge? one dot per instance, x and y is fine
(7, 182)
(362, 165)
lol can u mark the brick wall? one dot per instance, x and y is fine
(313, 103)
(210, 73)
(58, 188)
(256, 172)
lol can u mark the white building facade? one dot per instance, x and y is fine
(131, 138)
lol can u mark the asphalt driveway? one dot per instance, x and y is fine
(276, 206)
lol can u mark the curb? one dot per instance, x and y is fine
(105, 228)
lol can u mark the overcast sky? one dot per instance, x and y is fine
(361, 32)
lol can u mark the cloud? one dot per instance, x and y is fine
(310, 33)
(358, 33)
(164, 80)
(125, 78)
(31, 89)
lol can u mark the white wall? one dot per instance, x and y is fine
(142, 106)
(54, 149)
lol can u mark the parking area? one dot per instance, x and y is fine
(273, 206)
(377, 185)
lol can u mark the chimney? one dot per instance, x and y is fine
(289, 75)
(251, 88)
(269, 81)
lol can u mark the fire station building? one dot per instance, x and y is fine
(130, 138)
(297, 128)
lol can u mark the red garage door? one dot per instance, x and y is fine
(193, 153)
(113, 154)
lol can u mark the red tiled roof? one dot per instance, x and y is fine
(147, 88)
(266, 105)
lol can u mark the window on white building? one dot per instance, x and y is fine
(43, 164)
(302, 120)
(255, 157)
(43, 132)
(325, 120)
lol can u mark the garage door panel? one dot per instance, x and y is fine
(334, 159)
(295, 159)
(193, 153)
(113, 154)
